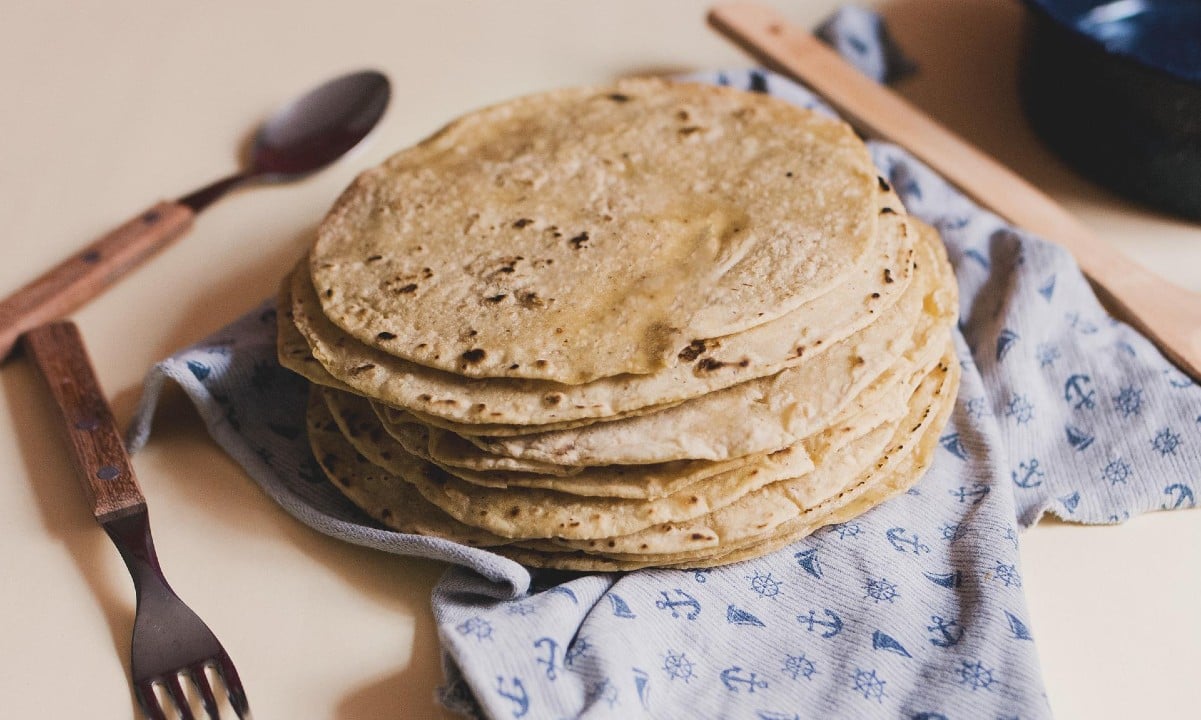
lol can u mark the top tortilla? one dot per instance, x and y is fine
(490, 404)
(593, 232)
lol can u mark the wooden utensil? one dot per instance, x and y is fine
(171, 644)
(1168, 315)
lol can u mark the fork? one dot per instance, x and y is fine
(169, 640)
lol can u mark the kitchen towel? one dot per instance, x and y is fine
(912, 610)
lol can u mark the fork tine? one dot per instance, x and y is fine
(144, 692)
(175, 690)
(206, 690)
(233, 685)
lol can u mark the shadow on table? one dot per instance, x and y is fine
(63, 504)
(61, 498)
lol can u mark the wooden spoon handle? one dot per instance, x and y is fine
(1168, 315)
(90, 271)
(96, 446)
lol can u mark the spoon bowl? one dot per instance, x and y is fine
(320, 127)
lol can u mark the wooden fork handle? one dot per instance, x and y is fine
(90, 271)
(96, 446)
(1163, 312)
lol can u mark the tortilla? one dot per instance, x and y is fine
(491, 405)
(851, 502)
(552, 237)
(395, 504)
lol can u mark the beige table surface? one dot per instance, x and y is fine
(109, 106)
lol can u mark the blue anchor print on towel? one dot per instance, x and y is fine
(620, 608)
(952, 444)
(947, 580)
(1012, 536)
(694, 606)
(832, 623)
(738, 616)
(1179, 494)
(517, 695)
(550, 660)
(1078, 438)
(1005, 341)
(947, 633)
(1076, 392)
(1017, 627)
(577, 649)
(1028, 475)
(735, 681)
(845, 530)
(883, 641)
(677, 666)
(870, 684)
(976, 493)
(807, 559)
(902, 543)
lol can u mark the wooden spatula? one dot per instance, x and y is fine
(1168, 315)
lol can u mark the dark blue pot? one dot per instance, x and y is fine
(1115, 89)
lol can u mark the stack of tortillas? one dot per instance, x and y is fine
(608, 328)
